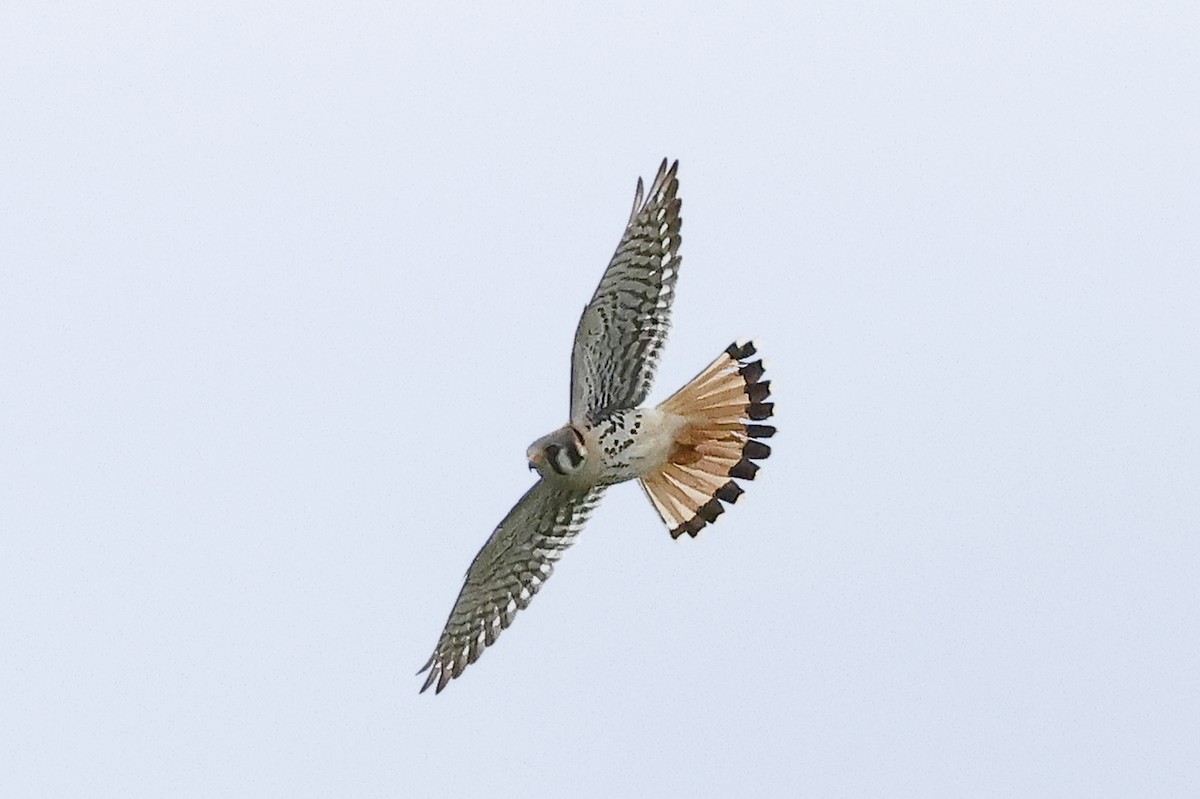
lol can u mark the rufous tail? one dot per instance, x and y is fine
(718, 444)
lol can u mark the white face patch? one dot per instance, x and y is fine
(558, 454)
(570, 456)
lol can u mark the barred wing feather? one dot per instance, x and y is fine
(512, 566)
(623, 329)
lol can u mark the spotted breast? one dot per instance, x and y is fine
(632, 443)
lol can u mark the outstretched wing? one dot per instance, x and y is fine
(623, 328)
(507, 572)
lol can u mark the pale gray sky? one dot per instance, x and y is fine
(287, 289)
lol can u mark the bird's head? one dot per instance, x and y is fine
(560, 454)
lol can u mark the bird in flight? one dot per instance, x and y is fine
(687, 452)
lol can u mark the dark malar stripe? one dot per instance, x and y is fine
(552, 457)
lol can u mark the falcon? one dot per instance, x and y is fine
(687, 453)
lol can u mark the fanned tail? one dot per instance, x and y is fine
(719, 443)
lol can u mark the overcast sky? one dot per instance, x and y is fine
(287, 289)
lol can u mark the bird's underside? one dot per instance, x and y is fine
(688, 452)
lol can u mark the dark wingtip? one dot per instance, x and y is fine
(752, 371)
(710, 510)
(428, 681)
(740, 353)
(760, 410)
(691, 527)
(744, 469)
(758, 392)
(760, 430)
(729, 492)
(756, 450)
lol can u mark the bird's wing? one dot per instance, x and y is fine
(623, 328)
(508, 571)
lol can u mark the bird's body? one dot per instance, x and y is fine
(686, 452)
(621, 446)
(634, 443)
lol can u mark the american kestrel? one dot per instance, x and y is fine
(687, 452)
